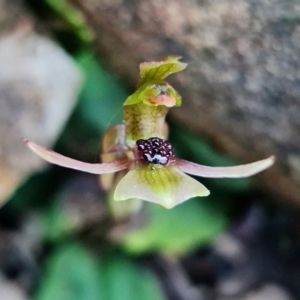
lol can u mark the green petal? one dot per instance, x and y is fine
(164, 185)
(157, 71)
(152, 89)
(155, 93)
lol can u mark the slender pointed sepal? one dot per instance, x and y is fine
(164, 185)
(224, 172)
(63, 161)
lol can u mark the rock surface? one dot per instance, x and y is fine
(241, 88)
(39, 85)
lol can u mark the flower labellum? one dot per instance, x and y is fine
(137, 160)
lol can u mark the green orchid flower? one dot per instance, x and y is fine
(137, 160)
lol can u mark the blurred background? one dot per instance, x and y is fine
(66, 68)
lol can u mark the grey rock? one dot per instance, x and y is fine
(242, 86)
(39, 85)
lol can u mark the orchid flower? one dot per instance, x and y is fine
(137, 160)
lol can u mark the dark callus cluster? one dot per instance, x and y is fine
(155, 150)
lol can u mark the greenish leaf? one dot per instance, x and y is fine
(74, 17)
(74, 273)
(179, 230)
(122, 279)
(102, 96)
(58, 222)
(71, 275)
